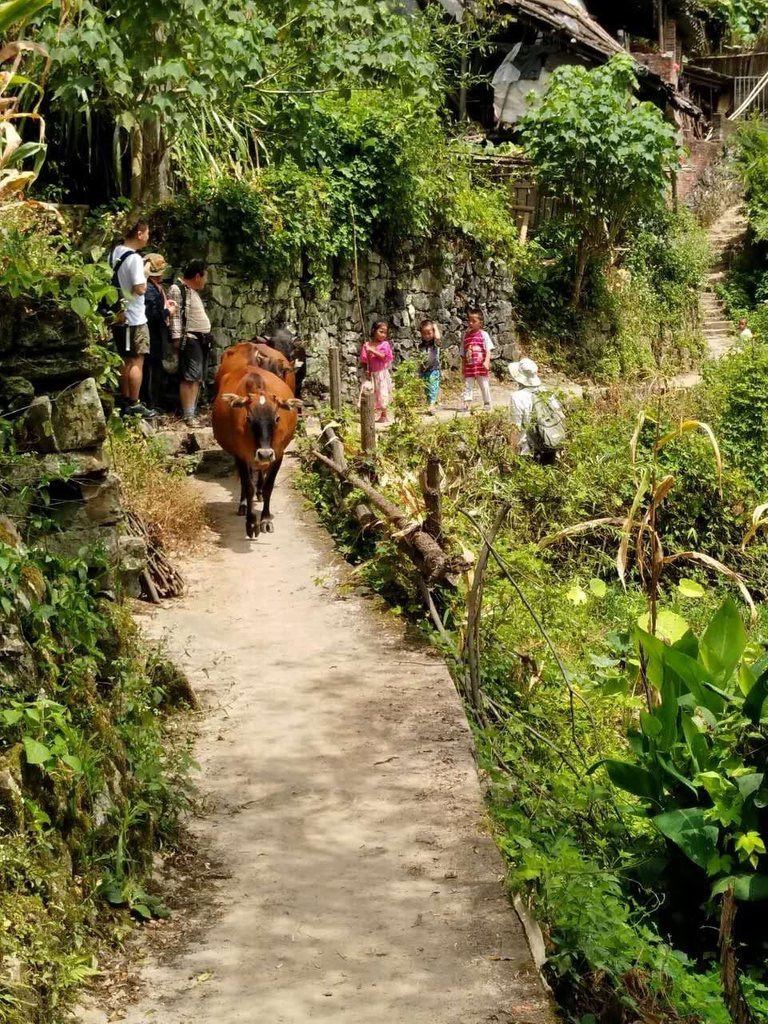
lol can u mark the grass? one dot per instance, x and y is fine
(160, 493)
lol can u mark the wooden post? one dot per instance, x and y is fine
(334, 367)
(524, 228)
(430, 486)
(367, 422)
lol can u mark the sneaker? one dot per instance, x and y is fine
(137, 409)
(191, 422)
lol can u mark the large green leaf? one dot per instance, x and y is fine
(667, 712)
(673, 773)
(15, 11)
(749, 784)
(633, 779)
(669, 625)
(753, 705)
(687, 828)
(693, 677)
(697, 743)
(750, 888)
(35, 752)
(723, 642)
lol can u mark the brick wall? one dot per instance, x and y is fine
(663, 64)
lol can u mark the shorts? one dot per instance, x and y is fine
(131, 341)
(193, 357)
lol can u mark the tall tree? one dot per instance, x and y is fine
(607, 158)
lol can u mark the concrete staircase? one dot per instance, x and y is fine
(725, 236)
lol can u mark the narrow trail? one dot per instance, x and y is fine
(725, 234)
(361, 883)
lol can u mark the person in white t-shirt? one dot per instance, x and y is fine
(130, 330)
(191, 336)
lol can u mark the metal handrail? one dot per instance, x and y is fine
(751, 98)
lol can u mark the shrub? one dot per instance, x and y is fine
(101, 782)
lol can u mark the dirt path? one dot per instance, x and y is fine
(344, 807)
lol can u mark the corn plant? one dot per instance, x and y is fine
(639, 524)
(15, 87)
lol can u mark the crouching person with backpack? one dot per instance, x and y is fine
(537, 413)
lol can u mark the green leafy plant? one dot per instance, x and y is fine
(606, 157)
(700, 762)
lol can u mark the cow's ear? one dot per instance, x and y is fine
(293, 404)
(235, 401)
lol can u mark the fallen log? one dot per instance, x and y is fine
(424, 550)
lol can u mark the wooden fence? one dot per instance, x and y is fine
(530, 208)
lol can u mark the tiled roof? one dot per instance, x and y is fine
(567, 17)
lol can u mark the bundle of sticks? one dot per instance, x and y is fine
(160, 578)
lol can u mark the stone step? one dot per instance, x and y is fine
(718, 325)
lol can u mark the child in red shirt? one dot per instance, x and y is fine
(476, 360)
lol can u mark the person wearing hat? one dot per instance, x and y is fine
(159, 310)
(536, 413)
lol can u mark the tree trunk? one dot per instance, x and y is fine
(582, 258)
(430, 487)
(367, 421)
(149, 165)
(137, 165)
(424, 550)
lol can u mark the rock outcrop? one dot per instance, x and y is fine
(43, 348)
(64, 436)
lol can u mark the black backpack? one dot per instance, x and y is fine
(112, 310)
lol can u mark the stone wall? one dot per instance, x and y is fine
(403, 291)
(42, 349)
(64, 436)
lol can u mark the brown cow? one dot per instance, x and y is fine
(254, 355)
(254, 419)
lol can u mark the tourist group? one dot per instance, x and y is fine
(166, 335)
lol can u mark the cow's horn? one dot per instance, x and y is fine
(234, 400)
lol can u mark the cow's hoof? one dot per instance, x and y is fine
(242, 508)
(267, 526)
(249, 530)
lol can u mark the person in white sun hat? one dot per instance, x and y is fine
(536, 413)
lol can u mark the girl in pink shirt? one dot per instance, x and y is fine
(377, 356)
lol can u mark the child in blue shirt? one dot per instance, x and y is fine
(429, 370)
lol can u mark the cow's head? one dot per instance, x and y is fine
(263, 410)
